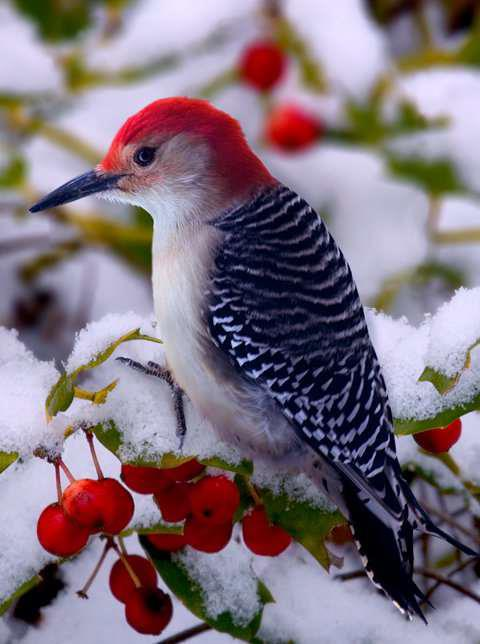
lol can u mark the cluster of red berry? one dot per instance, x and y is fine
(440, 439)
(104, 506)
(289, 127)
(208, 506)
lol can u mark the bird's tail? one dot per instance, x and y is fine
(386, 548)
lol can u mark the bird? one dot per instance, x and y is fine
(262, 323)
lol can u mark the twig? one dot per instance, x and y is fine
(83, 591)
(186, 634)
(448, 582)
(456, 570)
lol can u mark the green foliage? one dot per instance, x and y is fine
(21, 590)
(190, 593)
(305, 522)
(58, 20)
(436, 177)
(13, 173)
(443, 383)
(6, 459)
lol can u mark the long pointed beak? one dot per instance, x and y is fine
(82, 186)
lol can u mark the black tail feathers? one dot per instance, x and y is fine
(387, 553)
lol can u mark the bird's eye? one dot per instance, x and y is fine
(144, 156)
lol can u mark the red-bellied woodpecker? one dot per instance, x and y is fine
(262, 323)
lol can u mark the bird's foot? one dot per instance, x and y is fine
(157, 371)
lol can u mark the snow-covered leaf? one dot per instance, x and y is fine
(189, 591)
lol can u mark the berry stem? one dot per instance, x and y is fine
(186, 634)
(66, 471)
(58, 481)
(83, 591)
(253, 492)
(122, 553)
(98, 469)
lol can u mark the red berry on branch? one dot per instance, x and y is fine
(121, 582)
(262, 65)
(59, 534)
(204, 537)
(214, 500)
(440, 439)
(167, 542)
(148, 610)
(261, 536)
(143, 480)
(184, 472)
(83, 501)
(118, 506)
(174, 501)
(290, 128)
(341, 534)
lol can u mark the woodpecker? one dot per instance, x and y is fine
(262, 322)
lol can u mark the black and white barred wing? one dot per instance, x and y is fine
(284, 307)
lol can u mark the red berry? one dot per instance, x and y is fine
(262, 64)
(341, 534)
(173, 501)
(148, 610)
(144, 480)
(290, 128)
(118, 506)
(58, 533)
(206, 538)
(440, 439)
(83, 501)
(121, 583)
(184, 472)
(261, 536)
(214, 500)
(168, 542)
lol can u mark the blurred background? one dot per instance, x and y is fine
(370, 109)
(372, 114)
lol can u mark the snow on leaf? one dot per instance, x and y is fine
(202, 583)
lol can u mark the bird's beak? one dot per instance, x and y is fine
(82, 186)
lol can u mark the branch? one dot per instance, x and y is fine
(186, 634)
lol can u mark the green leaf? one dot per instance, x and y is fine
(13, 173)
(405, 426)
(244, 467)
(157, 528)
(442, 383)
(190, 593)
(56, 20)
(21, 590)
(6, 459)
(61, 395)
(109, 436)
(436, 176)
(306, 523)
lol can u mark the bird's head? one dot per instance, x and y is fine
(177, 157)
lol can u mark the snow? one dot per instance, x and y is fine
(453, 331)
(440, 341)
(24, 383)
(227, 581)
(97, 336)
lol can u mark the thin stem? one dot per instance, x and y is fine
(66, 471)
(186, 634)
(121, 552)
(253, 492)
(448, 582)
(354, 574)
(459, 568)
(58, 482)
(95, 460)
(83, 591)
